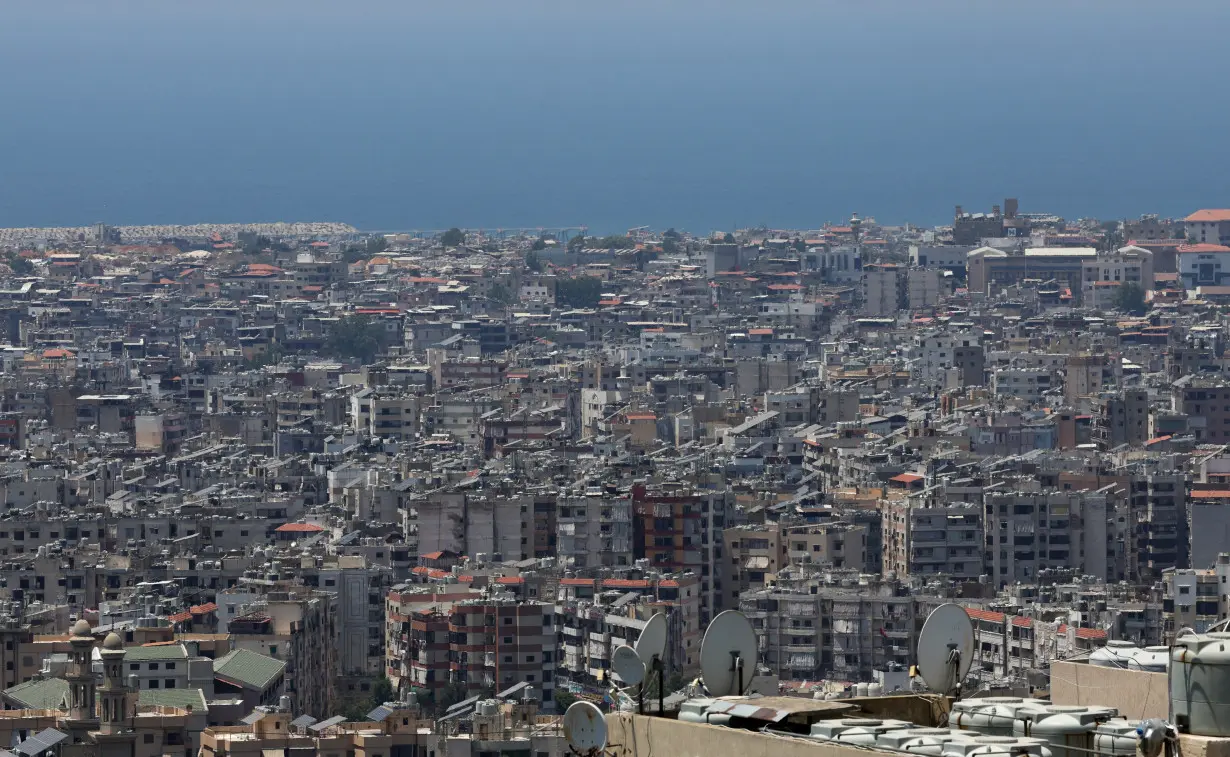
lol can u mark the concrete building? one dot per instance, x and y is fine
(883, 290)
(1208, 227)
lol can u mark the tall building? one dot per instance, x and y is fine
(1208, 226)
(883, 290)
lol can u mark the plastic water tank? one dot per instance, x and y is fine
(488, 707)
(1115, 739)
(929, 741)
(992, 716)
(875, 689)
(1151, 659)
(1115, 654)
(1068, 730)
(1200, 684)
(997, 746)
(829, 730)
(862, 689)
(868, 735)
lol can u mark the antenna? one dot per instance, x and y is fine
(628, 665)
(728, 655)
(649, 647)
(584, 729)
(946, 649)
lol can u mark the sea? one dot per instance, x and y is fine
(695, 114)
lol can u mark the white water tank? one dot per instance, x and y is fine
(927, 741)
(869, 734)
(996, 746)
(1115, 739)
(992, 716)
(874, 690)
(828, 730)
(1068, 730)
(1115, 654)
(488, 707)
(1200, 684)
(1151, 659)
(862, 689)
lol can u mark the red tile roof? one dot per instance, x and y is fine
(1209, 216)
(204, 609)
(299, 528)
(576, 582)
(180, 617)
(907, 478)
(1203, 247)
(510, 580)
(1211, 494)
(433, 555)
(976, 614)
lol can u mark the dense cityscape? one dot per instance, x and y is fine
(288, 490)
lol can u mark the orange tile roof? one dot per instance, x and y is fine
(907, 478)
(299, 528)
(57, 352)
(976, 614)
(576, 582)
(204, 609)
(1209, 216)
(510, 580)
(1211, 494)
(433, 555)
(668, 583)
(1203, 247)
(642, 417)
(180, 617)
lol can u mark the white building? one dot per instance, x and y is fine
(1024, 383)
(1208, 226)
(1203, 264)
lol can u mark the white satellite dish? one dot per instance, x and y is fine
(628, 666)
(652, 641)
(584, 728)
(946, 648)
(728, 655)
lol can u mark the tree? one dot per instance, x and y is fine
(356, 337)
(501, 294)
(382, 691)
(1130, 298)
(563, 699)
(729, 238)
(579, 292)
(614, 242)
(672, 234)
(533, 261)
(577, 242)
(20, 266)
(539, 244)
(453, 237)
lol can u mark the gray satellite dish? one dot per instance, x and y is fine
(584, 728)
(946, 648)
(628, 666)
(728, 655)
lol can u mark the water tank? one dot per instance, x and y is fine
(861, 689)
(992, 716)
(1151, 659)
(488, 707)
(1068, 730)
(1115, 739)
(868, 735)
(929, 741)
(1115, 654)
(1200, 683)
(996, 746)
(284, 703)
(828, 730)
(874, 690)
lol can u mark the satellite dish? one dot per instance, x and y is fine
(946, 648)
(628, 665)
(652, 641)
(728, 654)
(584, 728)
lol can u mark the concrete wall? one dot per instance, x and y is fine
(631, 735)
(1137, 695)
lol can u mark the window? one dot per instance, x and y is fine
(153, 683)
(149, 738)
(135, 666)
(153, 666)
(170, 666)
(168, 683)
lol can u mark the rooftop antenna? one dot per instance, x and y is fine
(650, 646)
(728, 655)
(584, 729)
(946, 649)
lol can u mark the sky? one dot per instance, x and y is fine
(693, 114)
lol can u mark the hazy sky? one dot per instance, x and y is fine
(689, 113)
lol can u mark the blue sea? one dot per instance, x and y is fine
(697, 114)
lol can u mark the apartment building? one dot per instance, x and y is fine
(926, 537)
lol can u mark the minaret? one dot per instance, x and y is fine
(82, 689)
(115, 736)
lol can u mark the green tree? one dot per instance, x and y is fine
(579, 292)
(356, 338)
(1130, 298)
(382, 691)
(563, 699)
(729, 238)
(501, 294)
(577, 242)
(533, 261)
(539, 244)
(614, 242)
(20, 266)
(453, 237)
